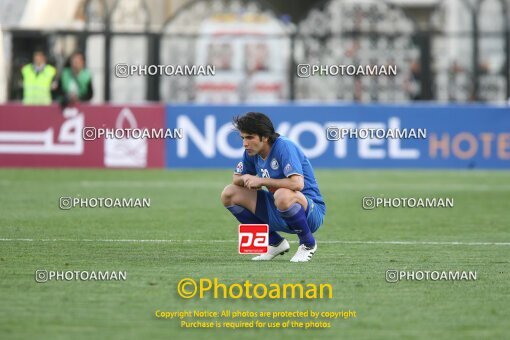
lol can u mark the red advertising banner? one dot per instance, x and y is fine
(47, 136)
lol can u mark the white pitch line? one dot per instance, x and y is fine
(453, 243)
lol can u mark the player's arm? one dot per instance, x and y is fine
(246, 167)
(237, 179)
(294, 182)
(240, 180)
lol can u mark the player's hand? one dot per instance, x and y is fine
(252, 182)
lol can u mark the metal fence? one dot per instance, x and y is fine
(459, 53)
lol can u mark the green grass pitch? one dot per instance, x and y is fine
(186, 214)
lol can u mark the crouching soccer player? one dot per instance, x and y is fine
(293, 203)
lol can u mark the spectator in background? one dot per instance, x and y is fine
(76, 81)
(413, 82)
(38, 80)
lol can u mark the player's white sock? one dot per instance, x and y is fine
(272, 251)
(304, 253)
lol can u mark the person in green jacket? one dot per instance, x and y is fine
(38, 80)
(76, 81)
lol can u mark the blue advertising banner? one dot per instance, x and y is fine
(351, 136)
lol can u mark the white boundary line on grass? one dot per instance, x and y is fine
(452, 243)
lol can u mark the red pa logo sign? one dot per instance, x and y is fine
(253, 238)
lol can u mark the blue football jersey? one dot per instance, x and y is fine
(284, 159)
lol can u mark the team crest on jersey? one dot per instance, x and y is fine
(288, 168)
(274, 164)
(239, 167)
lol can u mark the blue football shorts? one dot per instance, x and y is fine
(266, 210)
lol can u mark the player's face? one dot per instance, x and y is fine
(254, 144)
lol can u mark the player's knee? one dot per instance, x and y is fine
(228, 194)
(284, 198)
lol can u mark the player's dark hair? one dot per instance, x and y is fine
(256, 123)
